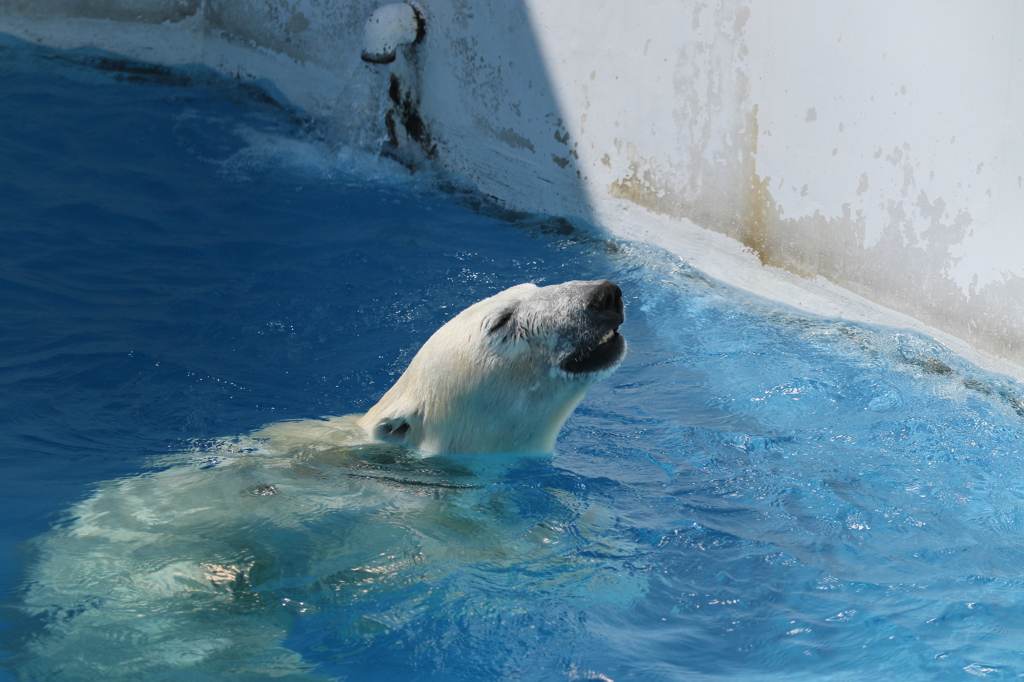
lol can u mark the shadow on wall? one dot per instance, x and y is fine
(474, 92)
(490, 107)
(308, 51)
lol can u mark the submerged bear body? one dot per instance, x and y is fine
(204, 564)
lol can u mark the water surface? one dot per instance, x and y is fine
(756, 494)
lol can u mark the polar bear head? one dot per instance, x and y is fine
(504, 374)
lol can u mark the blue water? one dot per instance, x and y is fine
(755, 494)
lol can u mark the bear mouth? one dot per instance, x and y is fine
(606, 353)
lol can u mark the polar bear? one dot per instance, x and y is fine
(502, 376)
(197, 569)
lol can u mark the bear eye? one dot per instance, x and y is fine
(500, 321)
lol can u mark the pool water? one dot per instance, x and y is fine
(755, 494)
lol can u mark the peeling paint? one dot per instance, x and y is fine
(905, 262)
(560, 161)
(514, 139)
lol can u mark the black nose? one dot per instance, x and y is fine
(606, 297)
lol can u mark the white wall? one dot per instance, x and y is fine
(877, 147)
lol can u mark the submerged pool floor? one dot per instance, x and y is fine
(755, 494)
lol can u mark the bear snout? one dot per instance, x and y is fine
(606, 298)
(597, 345)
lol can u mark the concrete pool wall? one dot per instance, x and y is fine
(850, 159)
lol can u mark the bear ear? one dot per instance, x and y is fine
(500, 322)
(393, 430)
